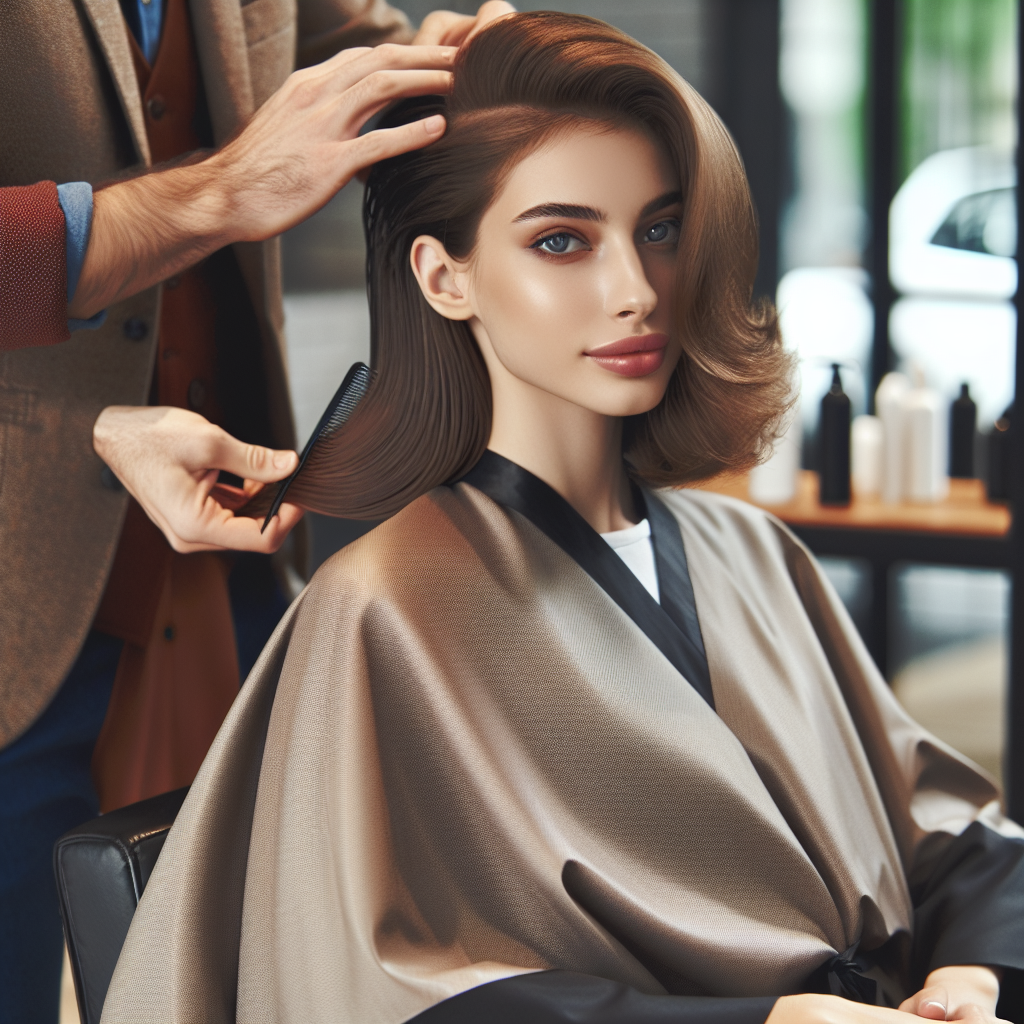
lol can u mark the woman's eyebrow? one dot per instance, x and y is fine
(668, 199)
(573, 211)
(568, 210)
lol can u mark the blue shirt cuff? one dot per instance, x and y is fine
(88, 325)
(75, 198)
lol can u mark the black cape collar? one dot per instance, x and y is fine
(671, 626)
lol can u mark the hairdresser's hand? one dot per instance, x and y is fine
(954, 993)
(818, 1009)
(300, 147)
(445, 28)
(168, 459)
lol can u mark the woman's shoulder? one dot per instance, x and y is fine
(414, 548)
(718, 513)
(735, 533)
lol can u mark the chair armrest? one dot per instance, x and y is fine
(102, 868)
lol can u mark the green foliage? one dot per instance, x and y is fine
(958, 76)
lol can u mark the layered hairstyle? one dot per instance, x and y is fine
(521, 82)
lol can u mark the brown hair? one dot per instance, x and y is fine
(427, 416)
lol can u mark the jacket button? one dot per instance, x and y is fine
(196, 394)
(135, 328)
(109, 480)
(156, 107)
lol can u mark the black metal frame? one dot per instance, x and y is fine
(1014, 773)
(883, 125)
(883, 549)
(744, 36)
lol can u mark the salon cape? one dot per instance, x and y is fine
(464, 783)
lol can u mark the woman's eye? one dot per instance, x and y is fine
(559, 244)
(663, 231)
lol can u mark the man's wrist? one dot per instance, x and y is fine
(147, 229)
(201, 198)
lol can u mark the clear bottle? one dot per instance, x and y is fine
(889, 409)
(774, 482)
(925, 434)
(866, 450)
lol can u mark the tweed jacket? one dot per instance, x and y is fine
(70, 110)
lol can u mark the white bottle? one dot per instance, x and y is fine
(866, 450)
(889, 407)
(774, 481)
(925, 433)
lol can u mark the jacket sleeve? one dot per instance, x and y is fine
(327, 26)
(33, 268)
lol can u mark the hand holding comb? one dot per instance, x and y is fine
(339, 409)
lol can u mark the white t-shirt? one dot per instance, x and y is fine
(633, 545)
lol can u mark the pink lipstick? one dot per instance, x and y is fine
(636, 356)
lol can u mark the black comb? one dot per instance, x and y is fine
(338, 410)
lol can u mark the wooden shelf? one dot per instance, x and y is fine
(965, 513)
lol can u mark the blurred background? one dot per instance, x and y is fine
(814, 91)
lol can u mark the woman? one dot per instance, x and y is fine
(497, 767)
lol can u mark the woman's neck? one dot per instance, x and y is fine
(573, 450)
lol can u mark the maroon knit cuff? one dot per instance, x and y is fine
(33, 267)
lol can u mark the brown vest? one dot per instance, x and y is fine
(178, 672)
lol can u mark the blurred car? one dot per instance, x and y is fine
(952, 240)
(953, 235)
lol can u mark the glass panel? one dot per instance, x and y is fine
(949, 652)
(826, 315)
(953, 221)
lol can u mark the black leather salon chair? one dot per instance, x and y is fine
(102, 868)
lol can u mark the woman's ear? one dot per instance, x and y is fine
(437, 274)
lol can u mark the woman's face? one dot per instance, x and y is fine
(569, 287)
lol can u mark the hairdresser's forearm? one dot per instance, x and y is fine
(151, 228)
(300, 147)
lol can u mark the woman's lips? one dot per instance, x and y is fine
(636, 356)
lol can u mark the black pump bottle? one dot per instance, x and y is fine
(834, 435)
(963, 420)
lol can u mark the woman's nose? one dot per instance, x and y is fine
(629, 295)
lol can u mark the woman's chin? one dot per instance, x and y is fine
(629, 396)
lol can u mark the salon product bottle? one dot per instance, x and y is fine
(998, 488)
(866, 450)
(925, 444)
(963, 420)
(774, 482)
(889, 408)
(834, 443)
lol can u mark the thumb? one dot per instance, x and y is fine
(253, 461)
(932, 1003)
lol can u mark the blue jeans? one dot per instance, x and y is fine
(46, 788)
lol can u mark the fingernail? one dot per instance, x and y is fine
(282, 459)
(434, 125)
(936, 1005)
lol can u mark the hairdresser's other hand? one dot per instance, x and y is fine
(300, 147)
(168, 459)
(445, 28)
(952, 993)
(820, 1009)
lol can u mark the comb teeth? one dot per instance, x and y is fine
(350, 398)
(343, 404)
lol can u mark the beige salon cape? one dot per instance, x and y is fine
(459, 760)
